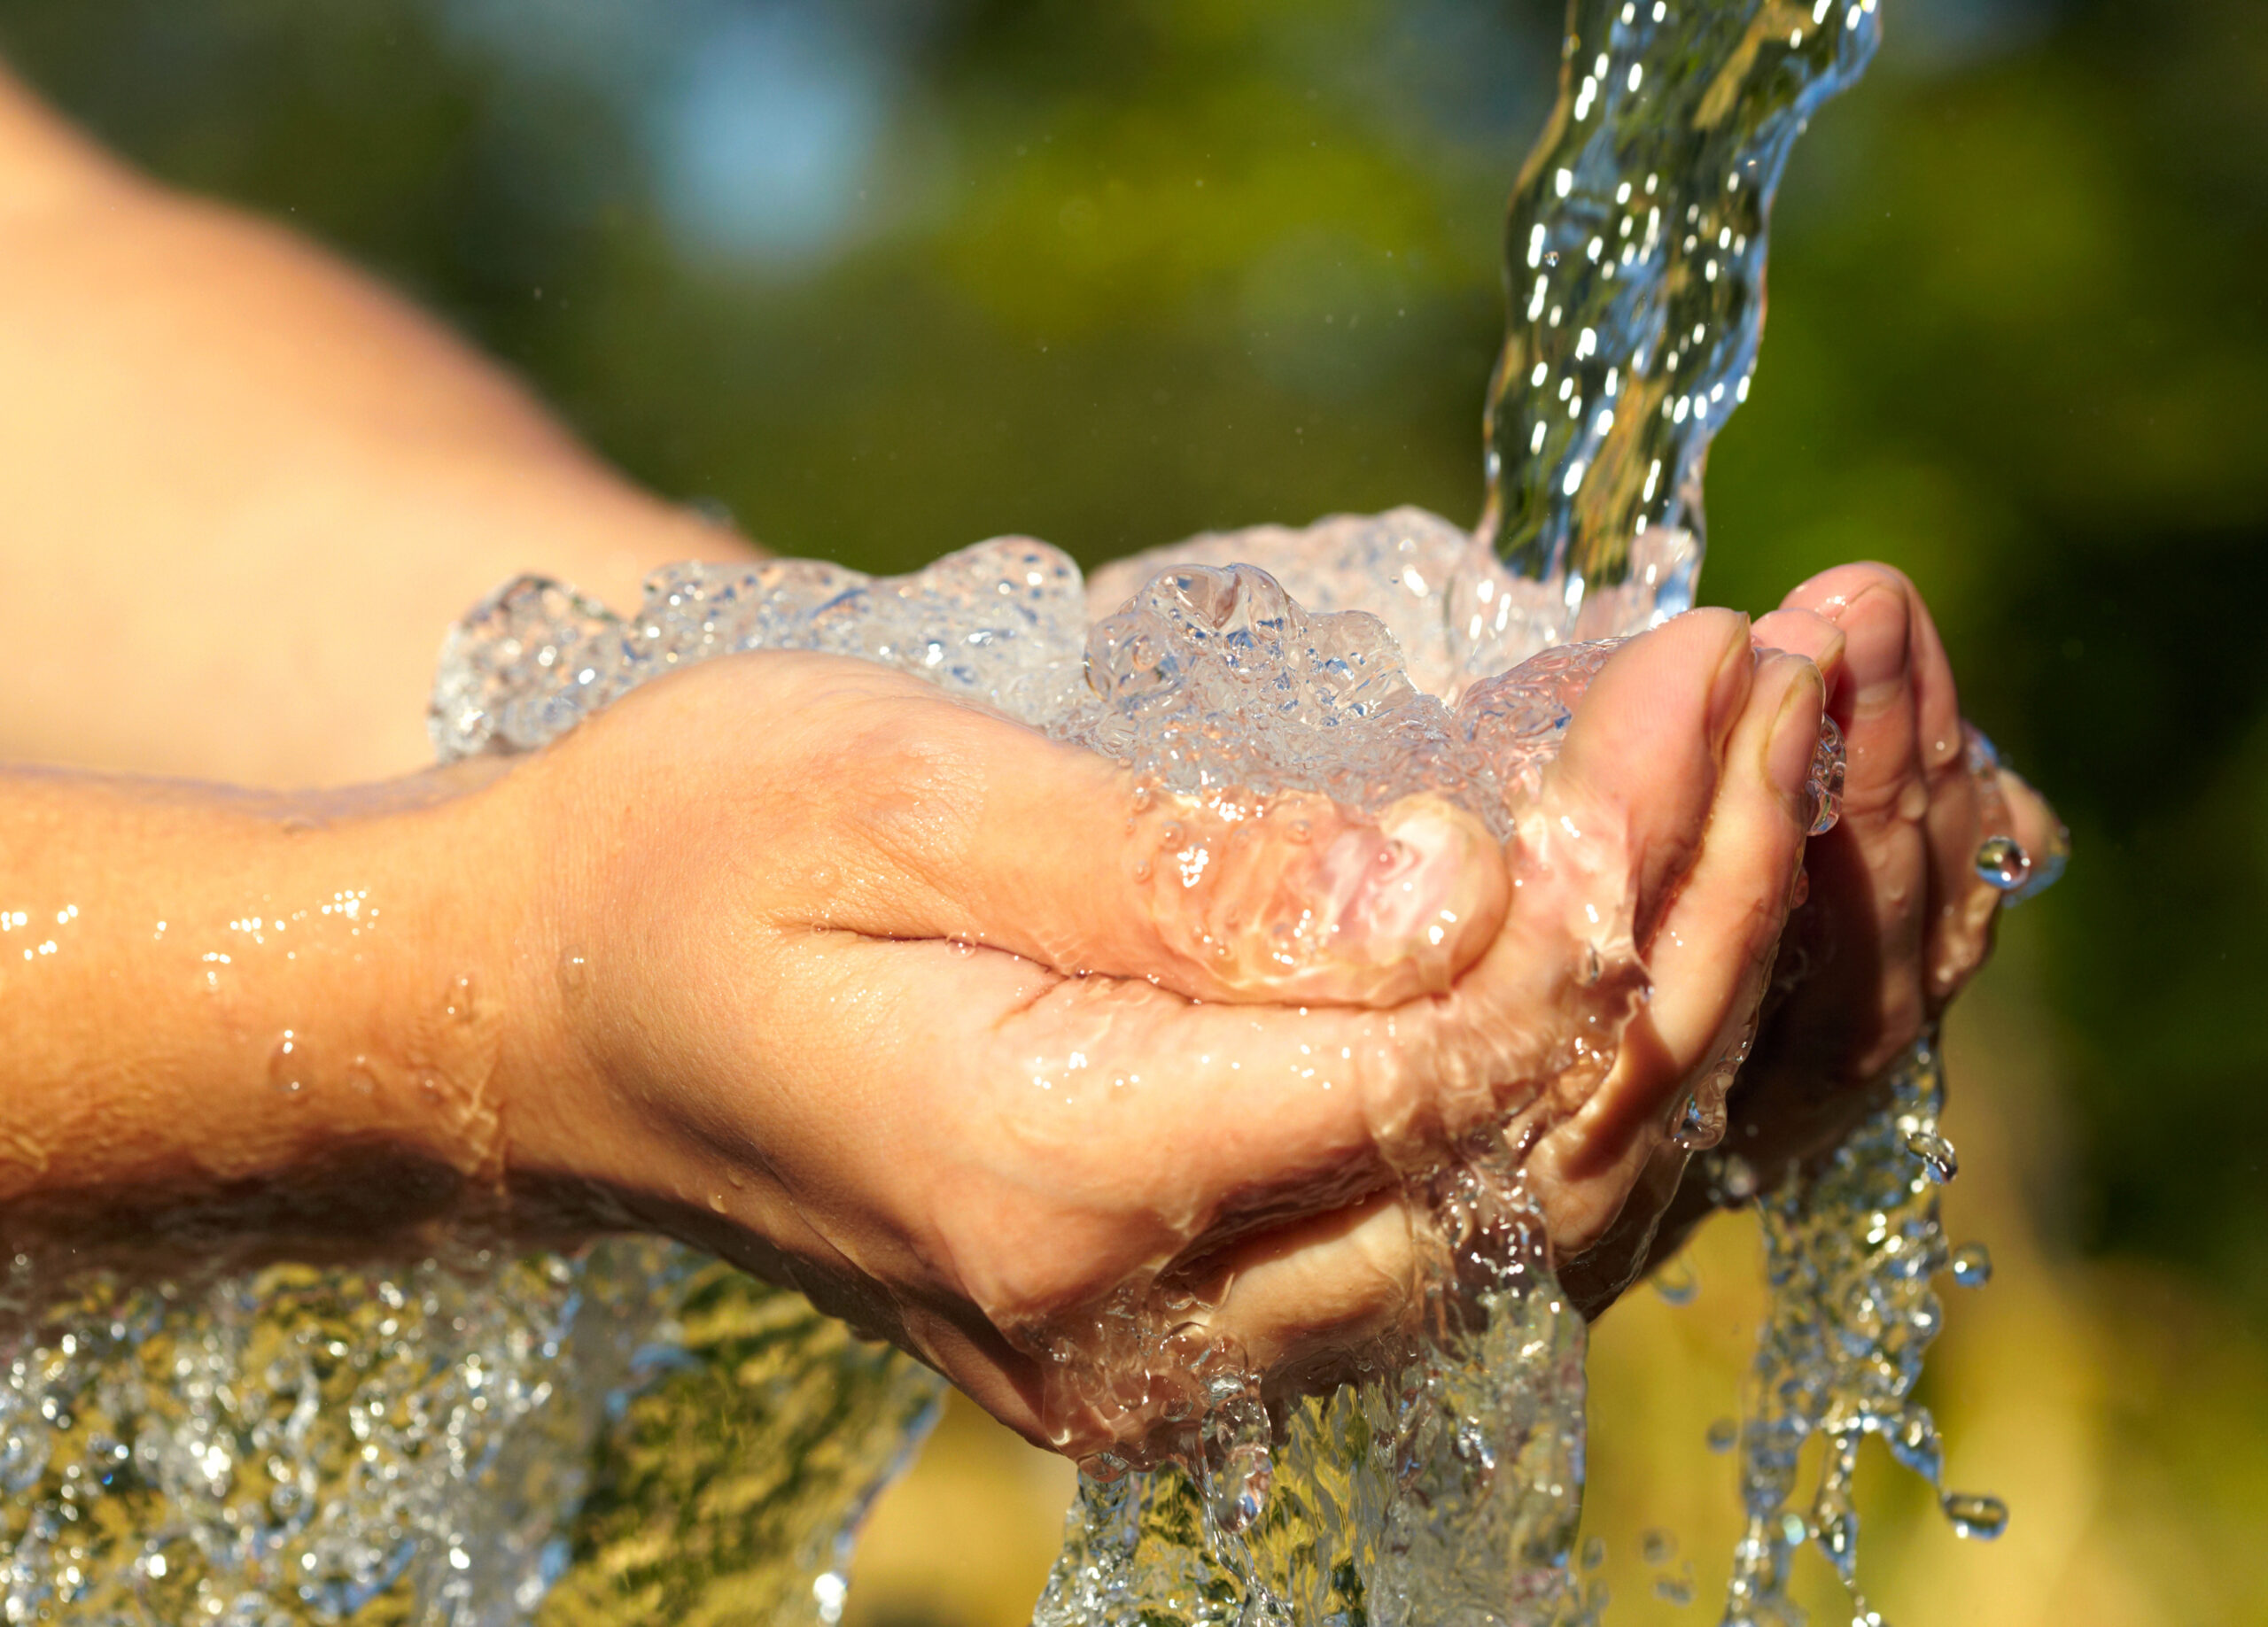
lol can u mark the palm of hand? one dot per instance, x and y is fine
(895, 1012)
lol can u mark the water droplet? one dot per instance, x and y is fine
(1703, 1124)
(1723, 1434)
(1972, 1265)
(717, 1202)
(1657, 1546)
(460, 999)
(2002, 863)
(2047, 867)
(1793, 1529)
(287, 1065)
(1593, 1553)
(1736, 1180)
(1676, 1282)
(1675, 1590)
(1239, 1489)
(1976, 1515)
(574, 972)
(1936, 1153)
(1824, 785)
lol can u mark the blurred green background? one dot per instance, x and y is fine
(876, 278)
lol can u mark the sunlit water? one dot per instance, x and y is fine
(633, 1433)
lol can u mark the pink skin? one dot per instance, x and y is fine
(881, 1000)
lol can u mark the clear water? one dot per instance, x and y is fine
(1634, 275)
(635, 1434)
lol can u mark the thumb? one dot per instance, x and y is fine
(1060, 856)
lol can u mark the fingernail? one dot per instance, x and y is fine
(1794, 739)
(1876, 648)
(1728, 690)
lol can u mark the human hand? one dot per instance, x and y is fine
(1897, 919)
(879, 994)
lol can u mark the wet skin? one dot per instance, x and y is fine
(888, 997)
(875, 992)
(1895, 918)
(787, 955)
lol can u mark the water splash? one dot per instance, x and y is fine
(1851, 1250)
(630, 1387)
(446, 1442)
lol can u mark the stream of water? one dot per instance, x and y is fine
(636, 1434)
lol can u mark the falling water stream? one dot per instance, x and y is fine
(633, 1433)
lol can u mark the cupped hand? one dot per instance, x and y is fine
(894, 999)
(1897, 915)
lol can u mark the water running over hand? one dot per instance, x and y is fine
(1443, 1485)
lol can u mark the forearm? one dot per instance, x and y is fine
(207, 1003)
(243, 491)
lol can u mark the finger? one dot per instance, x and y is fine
(1803, 633)
(1708, 960)
(1061, 859)
(940, 820)
(1872, 877)
(1635, 777)
(1300, 1298)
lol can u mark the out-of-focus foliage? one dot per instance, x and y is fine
(884, 276)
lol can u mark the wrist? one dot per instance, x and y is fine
(244, 1018)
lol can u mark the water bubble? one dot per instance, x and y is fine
(1702, 1126)
(1593, 1553)
(1823, 784)
(1239, 1488)
(1677, 1281)
(1936, 1153)
(1972, 1265)
(1723, 1434)
(1976, 1515)
(2002, 863)
(287, 1065)
(1677, 1590)
(1793, 1529)
(1657, 1546)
